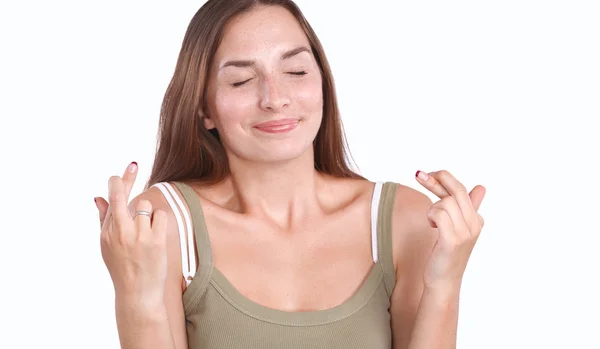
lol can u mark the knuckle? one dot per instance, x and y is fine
(115, 195)
(437, 205)
(432, 211)
(448, 201)
(144, 204)
(435, 213)
(160, 215)
(118, 196)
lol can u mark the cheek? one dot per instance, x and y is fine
(310, 95)
(232, 106)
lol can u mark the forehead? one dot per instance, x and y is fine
(262, 30)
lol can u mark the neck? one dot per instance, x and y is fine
(283, 192)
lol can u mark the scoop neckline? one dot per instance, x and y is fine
(354, 303)
(215, 278)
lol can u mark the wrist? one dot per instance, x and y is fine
(141, 307)
(443, 295)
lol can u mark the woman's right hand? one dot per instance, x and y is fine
(133, 249)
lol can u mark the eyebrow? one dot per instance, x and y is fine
(249, 63)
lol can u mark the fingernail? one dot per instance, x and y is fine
(132, 167)
(422, 175)
(96, 201)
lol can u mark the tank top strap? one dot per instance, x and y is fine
(203, 249)
(384, 234)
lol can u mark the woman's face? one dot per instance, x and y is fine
(264, 91)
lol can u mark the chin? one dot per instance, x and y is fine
(274, 152)
(283, 152)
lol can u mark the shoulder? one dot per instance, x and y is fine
(159, 202)
(412, 236)
(155, 197)
(158, 199)
(412, 242)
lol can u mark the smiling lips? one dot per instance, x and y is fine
(277, 126)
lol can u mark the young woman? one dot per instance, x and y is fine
(253, 232)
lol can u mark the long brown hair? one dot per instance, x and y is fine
(186, 150)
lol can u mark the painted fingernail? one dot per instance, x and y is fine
(132, 167)
(422, 175)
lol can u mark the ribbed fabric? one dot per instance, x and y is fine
(218, 316)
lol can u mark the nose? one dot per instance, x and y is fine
(275, 96)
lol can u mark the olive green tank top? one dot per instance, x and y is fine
(218, 316)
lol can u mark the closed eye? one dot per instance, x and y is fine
(296, 73)
(238, 84)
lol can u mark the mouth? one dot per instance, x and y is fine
(277, 126)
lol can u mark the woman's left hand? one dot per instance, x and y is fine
(458, 223)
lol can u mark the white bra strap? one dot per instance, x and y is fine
(374, 216)
(190, 232)
(188, 263)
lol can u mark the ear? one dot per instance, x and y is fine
(208, 122)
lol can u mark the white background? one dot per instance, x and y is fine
(501, 93)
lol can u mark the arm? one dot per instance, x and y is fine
(155, 324)
(437, 320)
(437, 260)
(420, 319)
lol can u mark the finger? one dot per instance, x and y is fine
(443, 222)
(129, 177)
(476, 195)
(159, 225)
(143, 216)
(458, 191)
(102, 206)
(431, 184)
(450, 205)
(118, 203)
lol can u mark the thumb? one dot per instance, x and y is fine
(102, 206)
(476, 195)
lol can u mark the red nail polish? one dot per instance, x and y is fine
(422, 175)
(96, 201)
(132, 167)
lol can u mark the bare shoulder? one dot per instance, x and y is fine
(154, 196)
(348, 189)
(413, 240)
(411, 234)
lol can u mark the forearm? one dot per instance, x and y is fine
(436, 321)
(143, 325)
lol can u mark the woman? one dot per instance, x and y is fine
(253, 232)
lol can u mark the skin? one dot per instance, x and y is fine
(275, 201)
